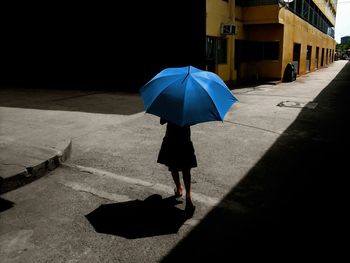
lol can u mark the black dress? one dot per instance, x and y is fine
(177, 151)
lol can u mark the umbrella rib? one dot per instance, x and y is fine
(219, 82)
(184, 100)
(188, 73)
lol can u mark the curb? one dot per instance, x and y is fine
(32, 173)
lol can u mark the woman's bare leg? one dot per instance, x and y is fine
(187, 182)
(189, 209)
(176, 178)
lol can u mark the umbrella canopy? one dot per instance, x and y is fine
(187, 96)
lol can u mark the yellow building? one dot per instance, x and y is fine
(256, 39)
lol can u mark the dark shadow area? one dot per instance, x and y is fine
(138, 219)
(295, 197)
(93, 101)
(99, 46)
(5, 204)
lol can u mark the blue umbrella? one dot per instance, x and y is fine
(187, 96)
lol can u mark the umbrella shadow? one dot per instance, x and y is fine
(138, 219)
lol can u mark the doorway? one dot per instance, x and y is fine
(322, 58)
(316, 57)
(296, 57)
(308, 58)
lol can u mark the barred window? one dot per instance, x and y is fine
(258, 50)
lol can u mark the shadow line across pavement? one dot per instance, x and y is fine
(89, 101)
(295, 194)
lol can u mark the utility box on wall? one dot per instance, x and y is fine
(227, 29)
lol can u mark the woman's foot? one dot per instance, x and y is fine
(177, 192)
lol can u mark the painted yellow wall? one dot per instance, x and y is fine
(219, 12)
(260, 24)
(296, 30)
(263, 14)
(225, 70)
(264, 32)
(266, 23)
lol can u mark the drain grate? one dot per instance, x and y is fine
(296, 104)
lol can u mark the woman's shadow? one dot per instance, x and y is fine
(137, 219)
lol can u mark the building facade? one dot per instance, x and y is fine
(267, 35)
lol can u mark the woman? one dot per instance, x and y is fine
(177, 153)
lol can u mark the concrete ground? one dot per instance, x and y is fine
(268, 181)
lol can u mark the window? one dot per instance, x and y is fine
(222, 50)
(310, 12)
(298, 6)
(258, 51)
